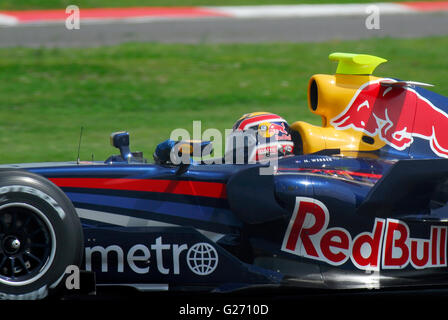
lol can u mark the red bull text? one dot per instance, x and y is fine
(388, 246)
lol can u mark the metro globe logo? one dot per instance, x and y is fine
(201, 258)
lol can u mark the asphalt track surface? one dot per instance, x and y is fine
(225, 30)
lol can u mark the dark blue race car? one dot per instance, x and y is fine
(359, 202)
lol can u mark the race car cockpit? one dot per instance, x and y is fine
(255, 137)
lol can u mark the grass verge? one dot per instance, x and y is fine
(46, 95)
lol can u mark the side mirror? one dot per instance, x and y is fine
(120, 140)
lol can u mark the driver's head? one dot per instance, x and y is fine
(267, 136)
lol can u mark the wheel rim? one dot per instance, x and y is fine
(27, 244)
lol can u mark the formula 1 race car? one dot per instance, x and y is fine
(361, 203)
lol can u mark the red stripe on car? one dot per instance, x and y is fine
(193, 188)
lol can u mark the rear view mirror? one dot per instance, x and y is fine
(181, 152)
(120, 140)
(195, 148)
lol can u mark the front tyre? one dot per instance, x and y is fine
(40, 236)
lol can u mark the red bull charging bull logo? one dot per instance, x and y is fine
(396, 115)
(271, 129)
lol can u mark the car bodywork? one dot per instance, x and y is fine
(362, 206)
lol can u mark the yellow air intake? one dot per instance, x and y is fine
(328, 96)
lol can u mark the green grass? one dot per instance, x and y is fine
(50, 4)
(46, 95)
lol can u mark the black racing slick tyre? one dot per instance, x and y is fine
(40, 236)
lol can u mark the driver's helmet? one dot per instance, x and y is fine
(268, 135)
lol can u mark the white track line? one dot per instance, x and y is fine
(7, 20)
(279, 11)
